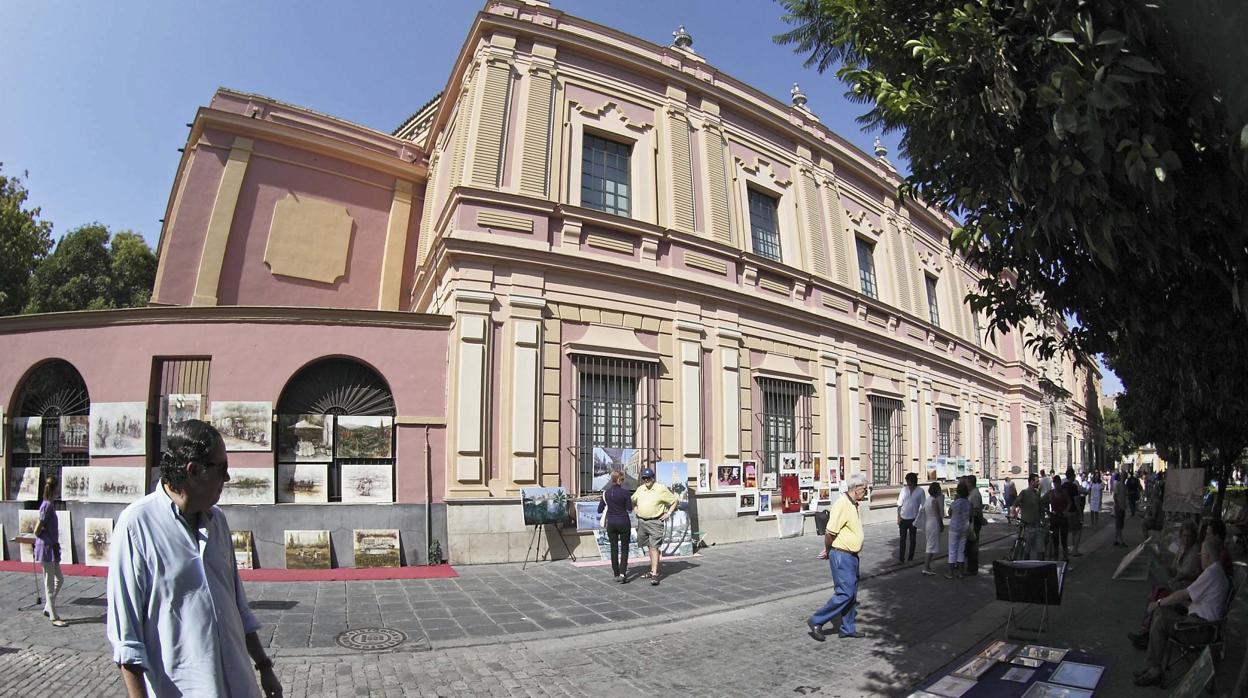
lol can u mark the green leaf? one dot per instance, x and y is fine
(1064, 36)
(1110, 37)
(1140, 65)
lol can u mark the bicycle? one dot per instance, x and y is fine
(1021, 548)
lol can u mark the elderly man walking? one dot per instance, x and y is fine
(654, 504)
(843, 540)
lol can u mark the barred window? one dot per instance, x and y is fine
(866, 269)
(989, 445)
(933, 309)
(887, 452)
(605, 175)
(53, 406)
(1033, 450)
(786, 423)
(947, 441)
(616, 409)
(764, 225)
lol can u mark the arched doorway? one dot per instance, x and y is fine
(51, 423)
(336, 413)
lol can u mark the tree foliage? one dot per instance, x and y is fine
(1119, 441)
(24, 240)
(86, 272)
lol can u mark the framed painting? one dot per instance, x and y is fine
(367, 483)
(27, 435)
(120, 485)
(820, 472)
(674, 474)
(790, 494)
(376, 547)
(747, 501)
(244, 550)
(308, 550)
(764, 503)
(307, 438)
(607, 460)
(788, 463)
(704, 474)
(302, 483)
(180, 407)
(97, 539)
(749, 474)
(768, 481)
(544, 505)
(244, 426)
(118, 428)
(728, 476)
(75, 433)
(27, 519)
(248, 486)
(24, 484)
(75, 483)
(365, 437)
(586, 515)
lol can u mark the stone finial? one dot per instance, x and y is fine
(880, 150)
(799, 97)
(681, 39)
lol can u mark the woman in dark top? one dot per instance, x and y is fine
(618, 502)
(48, 550)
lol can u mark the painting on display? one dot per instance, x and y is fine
(728, 476)
(747, 501)
(607, 460)
(302, 483)
(544, 505)
(932, 475)
(764, 503)
(824, 493)
(819, 470)
(635, 552)
(75, 433)
(834, 470)
(24, 483)
(677, 532)
(118, 428)
(248, 486)
(244, 549)
(788, 463)
(376, 547)
(75, 483)
(674, 474)
(119, 485)
(768, 481)
(179, 407)
(704, 474)
(586, 515)
(809, 501)
(942, 468)
(805, 479)
(27, 435)
(365, 437)
(790, 494)
(367, 483)
(307, 550)
(305, 437)
(96, 540)
(27, 519)
(244, 426)
(749, 474)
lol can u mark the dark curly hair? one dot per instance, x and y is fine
(191, 441)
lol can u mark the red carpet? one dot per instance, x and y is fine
(275, 575)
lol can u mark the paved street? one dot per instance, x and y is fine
(727, 623)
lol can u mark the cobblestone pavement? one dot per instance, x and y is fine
(728, 623)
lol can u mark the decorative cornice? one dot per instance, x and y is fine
(185, 314)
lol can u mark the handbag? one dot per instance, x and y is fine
(602, 518)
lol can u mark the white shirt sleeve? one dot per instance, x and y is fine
(128, 590)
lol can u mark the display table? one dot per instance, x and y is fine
(992, 684)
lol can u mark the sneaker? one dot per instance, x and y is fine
(927, 572)
(815, 631)
(654, 580)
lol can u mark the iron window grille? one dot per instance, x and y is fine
(336, 388)
(887, 440)
(616, 409)
(764, 224)
(933, 308)
(989, 452)
(785, 423)
(948, 443)
(1033, 450)
(866, 269)
(52, 391)
(187, 376)
(605, 175)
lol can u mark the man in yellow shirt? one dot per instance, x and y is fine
(843, 541)
(653, 504)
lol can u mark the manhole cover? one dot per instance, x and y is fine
(371, 639)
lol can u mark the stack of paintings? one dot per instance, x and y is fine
(307, 550)
(376, 547)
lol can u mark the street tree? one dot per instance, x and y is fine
(24, 240)
(85, 272)
(1119, 442)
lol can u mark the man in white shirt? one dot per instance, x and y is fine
(1046, 483)
(909, 504)
(177, 615)
(1205, 599)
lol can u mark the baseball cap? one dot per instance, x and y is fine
(646, 473)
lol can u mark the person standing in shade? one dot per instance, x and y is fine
(959, 529)
(1096, 488)
(1059, 504)
(48, 551)
(1046, 484)
(977, 523)
(1074, 514)
(1120, 510)
(1133, 492)
(843, 540)
(909, 506)
(654, 505)
(934, 522)
(617, 502)
(1030, 513)
(178, 619)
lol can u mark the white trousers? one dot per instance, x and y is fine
(52, 580)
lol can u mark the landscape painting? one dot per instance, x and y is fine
(728, 476)
(635, 552)
(305, 437)
(75, 483)
(675, 475)
(376, 547)
(248, 486)
(27, 435)
(607, 460)
(97, 537)
(307, 550)
(244, 551)
(120, 485)
(302, 483)
(587, 515)
(245, 426)
(118, 428)
(75, 433)
(544, 505)
(367, 483)
(25, 484)
(365, 437)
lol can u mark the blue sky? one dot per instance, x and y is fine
(96, 96)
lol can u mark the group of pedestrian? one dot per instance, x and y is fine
(653, 504)
(965, 522)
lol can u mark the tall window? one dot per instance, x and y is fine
(866, 269)
(764, 225)
(49, 429)
(1033, 450)
(933, 309)
(887, 454)
(979, 333)
(1070, 452)
(989, 452)
(785, 421)
(605, 175)
(947, 442)
(616, 419)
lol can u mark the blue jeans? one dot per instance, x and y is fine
(844, 602)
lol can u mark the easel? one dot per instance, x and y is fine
(1028, 582)
(537, 540)
(34, 569)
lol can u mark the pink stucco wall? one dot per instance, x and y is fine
(183, 241)
(250, 361)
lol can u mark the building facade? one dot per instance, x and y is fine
(588, 245)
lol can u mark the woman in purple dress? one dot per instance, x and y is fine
(48, 550)
(617, 502)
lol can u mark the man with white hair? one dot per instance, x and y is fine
(843, 541)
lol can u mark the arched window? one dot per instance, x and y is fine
(51, 423)
(335, 435)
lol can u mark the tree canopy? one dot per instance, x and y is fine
(86, 272)
(1119, 441)
(24, 240)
